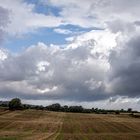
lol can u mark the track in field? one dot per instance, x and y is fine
(99, 127)
(43, 125)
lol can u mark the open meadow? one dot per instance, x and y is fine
(44, 125)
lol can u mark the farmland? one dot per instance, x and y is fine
(44, 125)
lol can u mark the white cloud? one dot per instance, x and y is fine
(54, 88)
(93, 14)
(119, 103)
(4, 21)
(97, 13)
(42, 66)
(70, 69)
(93, 66)
(24, 19)
(62, 31)
(85, 70)
(3, 54)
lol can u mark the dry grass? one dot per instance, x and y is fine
(99, 127)
(43, 125)
(29, 124)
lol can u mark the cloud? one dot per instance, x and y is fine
(137, 23)
(121, 26)
(81, 71)
(62, 31)
(117, 103)
(24, 19)
(4, 20)
(93, 14)
(124, 75)
(94, 66)
(96, 13)
(76, 72)
(3, 54)
(98, 65)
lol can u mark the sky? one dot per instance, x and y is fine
(75, 52)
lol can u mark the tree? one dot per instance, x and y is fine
(15, 104)
(129, 110)
(65, 108)
(54, 107)
(76, 109)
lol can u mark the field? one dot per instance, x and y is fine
(43, 125)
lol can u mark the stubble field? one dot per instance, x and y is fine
(43, 125)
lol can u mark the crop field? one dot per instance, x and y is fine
(43, 125)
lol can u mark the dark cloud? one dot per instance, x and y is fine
(125, 69)
(137, 23)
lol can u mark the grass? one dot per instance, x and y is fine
(43, 125)
(99, 127)
(29, 124)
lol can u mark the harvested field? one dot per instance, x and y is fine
(29, 124)
(43, 125)
(99, 127)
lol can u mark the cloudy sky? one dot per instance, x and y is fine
(75, 52)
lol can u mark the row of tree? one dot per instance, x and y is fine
(15, 104)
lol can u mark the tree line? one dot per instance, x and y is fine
(15, 104)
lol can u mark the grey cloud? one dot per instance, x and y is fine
(71, 74)
(1, 36)
(67, 69)
(137, 23)
(4, 20)
(121, 26)
(77, 73)
(125, 68)
(97, 12)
